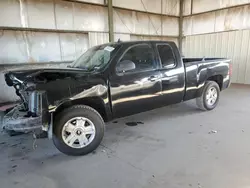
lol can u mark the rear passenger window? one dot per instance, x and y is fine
(166, 55)
(141, 55)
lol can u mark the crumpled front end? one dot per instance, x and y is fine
(31, 113)
(23, 119)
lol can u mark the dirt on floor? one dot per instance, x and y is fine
(176, 146)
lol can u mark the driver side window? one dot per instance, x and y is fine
(138, 58)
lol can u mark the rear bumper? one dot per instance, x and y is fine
(226, 82)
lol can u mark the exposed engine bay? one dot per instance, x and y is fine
(31, 113)
(37, 91)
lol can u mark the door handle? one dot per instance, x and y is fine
(153, 78)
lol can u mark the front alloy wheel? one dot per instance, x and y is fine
(78, 130)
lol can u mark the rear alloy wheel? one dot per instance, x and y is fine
(210, 96)
(78, 130)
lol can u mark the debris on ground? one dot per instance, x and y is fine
(14, 166)
(103, 150)
(115, 121)
(16, 144)
(212, 132)
(42, 134)
(11, 171)
(139, 122)
(34, 146)
(13, 133)
(133, 123)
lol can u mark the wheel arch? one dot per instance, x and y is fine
(96, 103)
(216, 78)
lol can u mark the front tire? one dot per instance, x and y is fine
(78, 130)
(210, 96)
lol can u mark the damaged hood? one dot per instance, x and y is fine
(59, 84)
(41, 75)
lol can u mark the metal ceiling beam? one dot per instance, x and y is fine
(48, 30)
(75, 31)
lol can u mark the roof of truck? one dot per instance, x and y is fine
(142, 41)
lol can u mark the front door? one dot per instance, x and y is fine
(137, 89)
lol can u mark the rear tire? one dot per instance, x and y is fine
(78, 130)
(209, 97)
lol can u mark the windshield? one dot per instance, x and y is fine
(96, 57)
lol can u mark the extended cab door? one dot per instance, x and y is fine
(135, 83)
(172, 73)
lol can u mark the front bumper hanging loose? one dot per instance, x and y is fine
(26, 121)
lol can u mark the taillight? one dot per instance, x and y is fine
(230, 71)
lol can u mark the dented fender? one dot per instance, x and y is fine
(95, 91)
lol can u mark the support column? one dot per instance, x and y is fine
(110, 21)
(161, 18)
(181, 26)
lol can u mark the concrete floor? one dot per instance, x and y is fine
(173, 148)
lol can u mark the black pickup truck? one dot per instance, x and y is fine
(107, 82)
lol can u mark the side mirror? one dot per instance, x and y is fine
(125, 66)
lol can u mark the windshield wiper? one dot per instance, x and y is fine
(78, 67)
(83, 68)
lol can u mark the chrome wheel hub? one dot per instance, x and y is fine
(211, 96)
(78, 132)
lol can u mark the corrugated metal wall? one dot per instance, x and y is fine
(234, 45)
(41, 31)
(219, 33)
(70, 24)
(200, 6)
(168, 7)
(30, 46)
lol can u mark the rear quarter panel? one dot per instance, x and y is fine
(197, 73)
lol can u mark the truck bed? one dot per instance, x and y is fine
(200, 69)
(193, 60)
